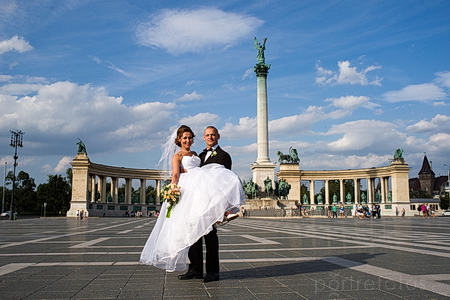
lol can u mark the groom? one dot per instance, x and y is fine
(212, 154)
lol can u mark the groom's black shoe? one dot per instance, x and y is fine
(190, 275)
(211, 277)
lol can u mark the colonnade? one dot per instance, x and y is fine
(356, 197)
(90, 193)
(393, 181)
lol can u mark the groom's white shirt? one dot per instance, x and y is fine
(208, 154)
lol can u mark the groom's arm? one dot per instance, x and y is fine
(226, 160)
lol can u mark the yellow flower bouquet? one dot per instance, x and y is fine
(170, 193)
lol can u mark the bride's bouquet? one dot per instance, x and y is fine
(170, 193)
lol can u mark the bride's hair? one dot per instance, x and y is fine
(180, 131)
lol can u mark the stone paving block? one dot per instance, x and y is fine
(273, 267)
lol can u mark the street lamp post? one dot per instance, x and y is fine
(4, 188)
(16, 141)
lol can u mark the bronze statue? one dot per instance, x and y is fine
(260, 56)
(283, 188)
(292, 157)
(81, 147)
(249, 189)
(319, 199)
(305, 199)
(363, 197)
(268, 185)
(349, 198)
(398, 153)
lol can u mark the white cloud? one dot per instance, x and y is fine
(190, 97)
(64, 111)
(117, 69)
(346, 75)
(180, 31)
(8, 6)
(191, 82)
(419, 92)
(246, 128)
(199, 122)
(349, 102)
(438, 123)
(15, 43)
(364, 134)
(247, 73)
(440, 141)
(6, 78)
(63, 165)
(443, 79)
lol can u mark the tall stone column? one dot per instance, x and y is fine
(262, 167)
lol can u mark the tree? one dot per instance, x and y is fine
(56, 193)
(69, 176)
(25, 199)
(150, 191)
(444, 203)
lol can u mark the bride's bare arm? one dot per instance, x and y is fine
(176, 167)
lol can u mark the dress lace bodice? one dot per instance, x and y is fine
(190, 162)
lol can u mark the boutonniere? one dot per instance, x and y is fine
(214, 153)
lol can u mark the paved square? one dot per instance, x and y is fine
(289, 258)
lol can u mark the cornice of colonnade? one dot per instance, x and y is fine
(119, 172)
(373, 172)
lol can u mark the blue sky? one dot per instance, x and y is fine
(350, 81)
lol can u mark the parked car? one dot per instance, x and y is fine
(6, 214)
(446, 213)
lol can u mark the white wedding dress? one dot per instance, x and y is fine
(206, 193)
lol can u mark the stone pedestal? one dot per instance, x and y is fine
(291, 173)
(400, 181)
(261, 172)
(80, 188)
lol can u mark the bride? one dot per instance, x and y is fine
(206, 194)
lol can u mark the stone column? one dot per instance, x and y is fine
(128, 190)
(357, 191)
(102, 188)
(93, 189)
(158, 191)
(370, 196)
(115, 189)
(142, 191)
(262, 167)
(311, 192)
(327, 193)
(341, 191)
(383, 190)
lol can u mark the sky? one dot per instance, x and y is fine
(349, 82)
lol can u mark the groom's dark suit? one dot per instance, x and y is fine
(211, 239)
